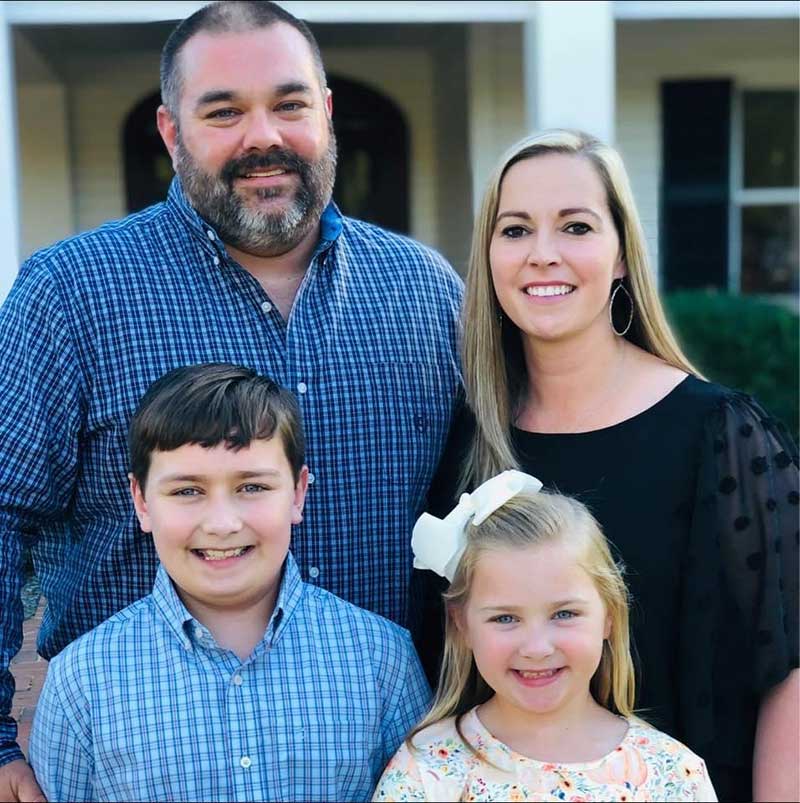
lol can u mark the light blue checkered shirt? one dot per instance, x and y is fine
(369, 348)
(148, 707)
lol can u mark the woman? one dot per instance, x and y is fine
(573, 375)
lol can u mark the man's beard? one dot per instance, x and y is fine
(238, 220)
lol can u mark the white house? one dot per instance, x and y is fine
(700, 97)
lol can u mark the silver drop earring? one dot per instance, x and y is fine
(619, 287)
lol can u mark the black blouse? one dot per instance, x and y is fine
(698, 496)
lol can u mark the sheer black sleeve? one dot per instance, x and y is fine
(739, 612)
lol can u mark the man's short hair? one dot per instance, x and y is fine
(209, 404)
(226, 16)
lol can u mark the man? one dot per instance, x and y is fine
(247, 261)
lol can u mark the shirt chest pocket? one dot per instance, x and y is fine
(411, 407)
(325, 762)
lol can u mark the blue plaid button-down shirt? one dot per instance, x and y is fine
(148, 707)
(369, 348)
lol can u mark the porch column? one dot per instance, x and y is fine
(568, 68)
(9, 188)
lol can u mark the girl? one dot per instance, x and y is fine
(537, 687)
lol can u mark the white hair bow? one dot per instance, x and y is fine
(439, 543)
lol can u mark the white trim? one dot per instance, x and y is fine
(410, 10)
(734, 210)
(49, 12)
(705, 9)
(52, 12)
(87, 12)
(767, 197)
(9, 159)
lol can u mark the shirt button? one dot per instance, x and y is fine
(302, 387)
(216, 260)
(211, 235)
(245, 762)
(313, 572)
(237, 680)
(311, 478)
(266, 307)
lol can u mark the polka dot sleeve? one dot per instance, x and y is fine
(740, 600)
(758, 509)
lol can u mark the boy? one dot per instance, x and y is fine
(233, 680)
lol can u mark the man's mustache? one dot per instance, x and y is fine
(276, 157)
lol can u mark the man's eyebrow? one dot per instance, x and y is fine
(215, 96)
(228, 95)
(292, 87)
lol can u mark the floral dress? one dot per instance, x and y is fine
(646, 765)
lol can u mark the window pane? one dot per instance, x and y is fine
(769, 249)
(770, 139)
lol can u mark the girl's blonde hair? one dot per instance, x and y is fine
(494, 367)
(528, 520)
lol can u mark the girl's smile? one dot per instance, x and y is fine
(537, 678)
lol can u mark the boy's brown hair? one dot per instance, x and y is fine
(209, 404)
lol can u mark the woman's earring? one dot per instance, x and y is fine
(619, 287)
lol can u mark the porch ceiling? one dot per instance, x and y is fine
(65, 47)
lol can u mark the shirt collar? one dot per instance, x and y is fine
(170, 607)
(289, 596)
(192, 633)
(187, 215)
(330, 227)
(330, 222)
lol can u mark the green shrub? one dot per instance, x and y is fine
(744, 343)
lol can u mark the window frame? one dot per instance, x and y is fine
(740, 197)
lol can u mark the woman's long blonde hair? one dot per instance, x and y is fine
(495, 375)
(528, 520)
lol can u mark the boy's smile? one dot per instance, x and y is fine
(221, 522)
(221, 554)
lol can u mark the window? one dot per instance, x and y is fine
(765, 193)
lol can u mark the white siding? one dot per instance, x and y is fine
(496, 97)
(639, 141)
(46, 208)
(46, 211)
(406, 76)
(451, 124)
(100, 104)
